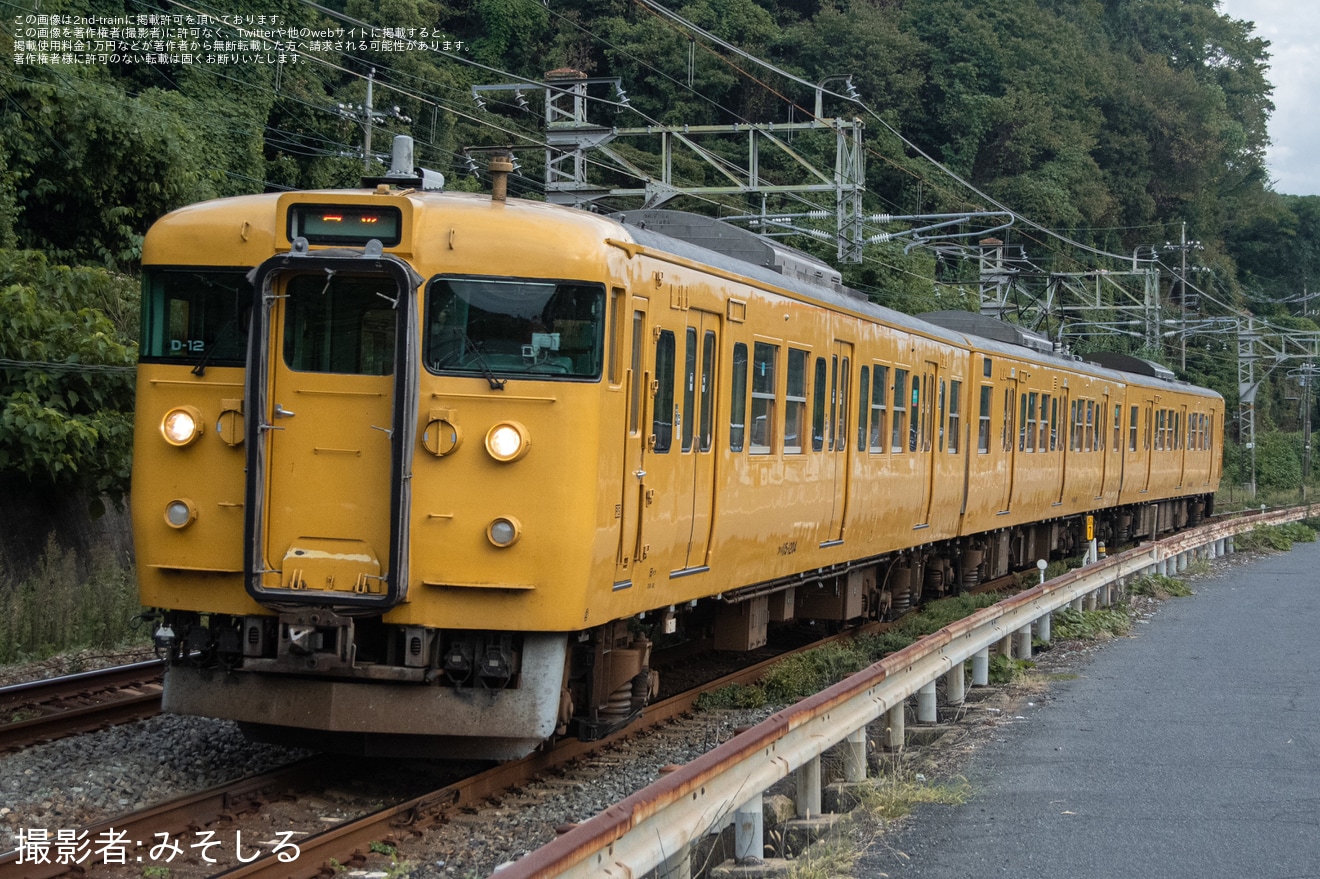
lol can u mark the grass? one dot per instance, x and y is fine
(1090, 625)
(801, 675)
(55, 611)
(1159, 587)
(1276, 537)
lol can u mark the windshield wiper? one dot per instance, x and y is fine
(488, 373)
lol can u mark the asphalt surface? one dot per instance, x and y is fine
(1189, 751)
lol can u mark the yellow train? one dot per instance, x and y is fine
(419, 472)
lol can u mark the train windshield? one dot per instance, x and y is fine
(545, 329)
(195, 315)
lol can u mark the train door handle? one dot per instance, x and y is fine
(640, 474)
(281, 412)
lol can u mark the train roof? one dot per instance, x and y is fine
(713, 242)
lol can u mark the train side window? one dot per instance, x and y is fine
(898, 440)
(689, 387)
(1006, 429)
(818, 408)
(878, 411)
(738, 399)
(841, 435)
(1159, 431)
(1031, 421)
(1022, 422)
(707, 391)
(987, 368)
(1118, 427)
(1090, 426)
(916, 415)
(618, 302)
(1043, 442)
(1054, 424)
(638, 339)
(1075, 427)
(832, 422)
(983, 432)
(763, 396)
(795, 401)
(863, 405)
(955, 416)
(939, 418)
(662, 415)
(1132, 430)
(1210, 433)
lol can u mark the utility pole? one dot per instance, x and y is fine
(366, 116)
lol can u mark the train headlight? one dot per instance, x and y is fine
(181, 425)
(503, 531)
(507, 441)
(180, 513)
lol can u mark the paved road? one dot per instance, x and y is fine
(1189, 752)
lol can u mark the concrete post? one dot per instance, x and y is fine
(1219, 548)
(1005, 645)
(926, 710)
(1076, 604)
(1090, 600)
(1024, 642)
(896, 719)
(981, 668)
(955, 687)
(1043, 628)
(1182, 562)
(808, 788)
(854, 756)
(749, 830)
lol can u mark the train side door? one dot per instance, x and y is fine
(1101, 433)
(326, 519)
(931, 427)
(1008, 442)
(633, 497)
(1180, 443)
(1149, 444)
(696, 461)
(836, 440)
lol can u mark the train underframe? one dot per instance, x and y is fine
(313, 678)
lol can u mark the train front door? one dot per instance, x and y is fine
(327, 496)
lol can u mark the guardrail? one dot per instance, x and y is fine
(655, 827)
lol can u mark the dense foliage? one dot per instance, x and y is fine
(1111, 121)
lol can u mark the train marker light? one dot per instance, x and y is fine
(180, 513)
(181, 425)
(504, 532)
(507, 441)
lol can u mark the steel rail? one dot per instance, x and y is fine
(642, 831)
(108, 708)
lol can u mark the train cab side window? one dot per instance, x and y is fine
(738, 399)
(1210, 433)
(818, 407)
(764, 357)
(879, 388)
(899, 438)
(983, 430)
(795, 401)
(662, 415)
(955, 416)
(863, 407)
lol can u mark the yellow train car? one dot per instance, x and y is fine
(419, 472)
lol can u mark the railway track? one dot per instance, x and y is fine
(39, 711)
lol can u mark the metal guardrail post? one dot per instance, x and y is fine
(1043, 628)
(927, 712)
(808, 788)
(854, 756)
(981, 668)
(896, 729)
(749, 832)
(955, 688)
(1024, 642)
